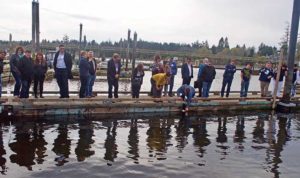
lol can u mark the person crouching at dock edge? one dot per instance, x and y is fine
(228, 75)
(40, 70)
(84, 72)
(92, 78)
(25, 66)
(113, 74)
(158, 81)
(186, 93)
(137, 80)
(15, 58)
(266, 73)
(63, 70)
(2, 56)
(245, 79)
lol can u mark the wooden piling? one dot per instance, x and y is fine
(134, 52)
(37, 27)
(127, 52)
(33, 30)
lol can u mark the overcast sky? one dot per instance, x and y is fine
(185, 21)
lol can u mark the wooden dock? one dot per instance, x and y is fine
(101, 105)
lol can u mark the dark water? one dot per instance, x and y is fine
(238, 145)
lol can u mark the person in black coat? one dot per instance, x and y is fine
(84, 73)
(40, 70)
(15, 58)
(63, 70)
(137, 80)
(113, 74)
(187, 72)
(25, 66)
(2, 56)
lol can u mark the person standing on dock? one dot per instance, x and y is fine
(40, 70)
(25, 66)
(2, 56)
(137, 80)
(207, 76)
(283, 74)
(158, 81)
(199, 78)
(113, 75)
(266, 73)
(187, 71)
(245, 79)
(186, 93)
(63, 70)
(228, 75)
(84, 73)
(92, 78)
(14, 60)
(167, 69)
(173, 66)
(296, 79)
(156, 68)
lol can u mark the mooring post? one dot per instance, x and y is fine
(80, 36)
(33, 25)
(133, 53)
(127, 52)
(37, 27)
(277, 78)
(291, 51)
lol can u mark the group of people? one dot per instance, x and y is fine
(24, 69)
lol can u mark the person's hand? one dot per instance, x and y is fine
(269, 77)
(117, 76)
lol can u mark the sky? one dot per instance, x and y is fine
(247, 22)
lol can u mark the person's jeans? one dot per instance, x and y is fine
(244, 88)
(136, 91)
(25, 88)
(206, 87)
(17, 83)
(83, 84)
(62, 81)
(113, 83)
(38, 80)
(90, 84)
(293, 90)
(228, 82)
(171, 85)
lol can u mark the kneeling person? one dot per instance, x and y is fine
(186, 93)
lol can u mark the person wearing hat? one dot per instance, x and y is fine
(25, 66)
(2, 56)
(265, 75)
(113, 74)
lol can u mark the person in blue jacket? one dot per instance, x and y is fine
(84, 73)
(186, 93)
(199, 79)
(173, 67)
(228, 75)
(187, 72)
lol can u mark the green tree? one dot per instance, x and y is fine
(226, 43)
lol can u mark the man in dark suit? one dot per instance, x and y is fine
(63, 70)
(187, 72)
(113, 74)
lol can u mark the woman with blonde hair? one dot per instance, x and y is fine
(40, 69)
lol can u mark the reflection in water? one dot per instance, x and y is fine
(239, 132)
(62, 145)
(2, 153)
(85, 141)
(23, 145)
(133, 141)
(111, 148)
(26, 146)
(200, 136)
